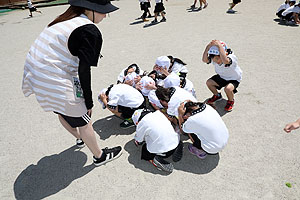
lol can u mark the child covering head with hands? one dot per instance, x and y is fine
(229, 74)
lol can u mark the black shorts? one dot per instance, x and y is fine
(236, 1)
(32, 9)
(159, 7)
(197, 142)
(146, 155)
(222, 82)
(75, 122)
(127, 112)
(279, 14)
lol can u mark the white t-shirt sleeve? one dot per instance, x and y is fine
(113, 100)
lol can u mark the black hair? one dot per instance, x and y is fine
(189, 106)
(137, 69)
(108, 89)
(182, 82)
(153, 72)
(163, 93)
(211, 56)
(144, 113)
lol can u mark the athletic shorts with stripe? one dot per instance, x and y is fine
(75, 122)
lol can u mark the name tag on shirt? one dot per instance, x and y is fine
(77, 87)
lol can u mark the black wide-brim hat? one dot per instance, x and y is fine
(100, 6)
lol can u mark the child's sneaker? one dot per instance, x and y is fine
(108, 155)
(214, 98)
(127, 123)
(163, 19)
(229, 105)
(149, 16)
(162, 164)
(154, 21)
(231, 11)
(205, 6)
(80, 143)
(197, 152)
(193, 7)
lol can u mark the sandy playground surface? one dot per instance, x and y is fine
(39, 159)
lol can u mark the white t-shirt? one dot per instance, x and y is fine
(292, 9)
(143, 1)
(124, 95)
(158, 1)
(189, 86)
(283, 6)
(29, 4)
(145, 81)
(158, 133)
(179, 96)
(232, 72)
(153, 99)
(210, 129)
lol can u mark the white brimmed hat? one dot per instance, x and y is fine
(214, 50)
(171, 80)
(163, 61)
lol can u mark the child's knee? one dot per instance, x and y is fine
(209, 82)
(229, 88)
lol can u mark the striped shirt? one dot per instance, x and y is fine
(51, 71)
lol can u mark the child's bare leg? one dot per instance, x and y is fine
(88, 136)
(65, 124)
(232, 5)
(191, 138)
(229, 91)
(212, 86)
(162, 14)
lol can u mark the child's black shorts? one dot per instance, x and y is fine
(159, 7)
(236, 1)
(32, 9)
(222, 82)
(75, 122)
(127, 112)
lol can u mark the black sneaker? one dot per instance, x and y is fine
(177, 155)
(108, 155)
(163, 20)
(127, 123)
(162, 164)
(80, 143)
(154, 21)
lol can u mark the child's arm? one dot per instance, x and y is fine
(292, 126)
(223, 56)
(205, 55)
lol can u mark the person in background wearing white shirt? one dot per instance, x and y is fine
(122, 100)
(32, 8)
(205, 127)
(284, 6)
(161, 141)
(229, 74)
(159, 9)
(145, 5)
(292, 13)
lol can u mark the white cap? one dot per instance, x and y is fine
(102, 92)
(145, 81)
(136, 116)
(130, 77)
(163, 61)
(153, 99)
(172, 80)
(214, 50)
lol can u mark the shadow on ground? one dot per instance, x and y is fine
(189, 163)
(110, 126)
(284, 23)
(219, 106)
(51, 174)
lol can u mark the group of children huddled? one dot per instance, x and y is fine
(289, 11)
(162, 104)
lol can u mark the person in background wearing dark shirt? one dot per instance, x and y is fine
(58, 71)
